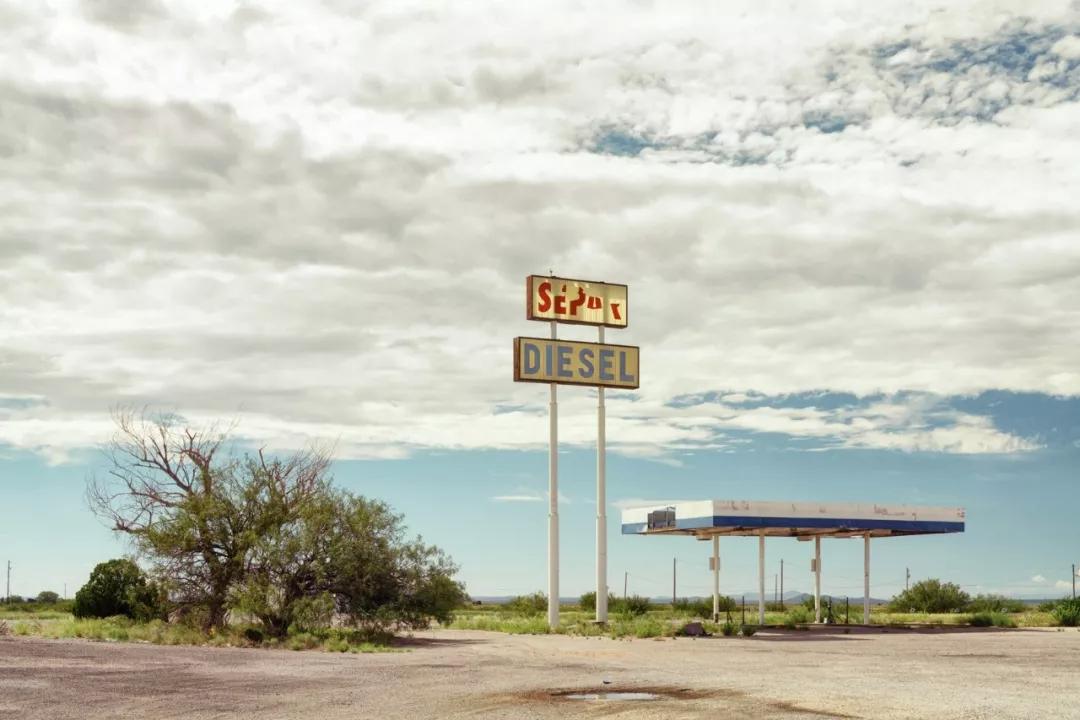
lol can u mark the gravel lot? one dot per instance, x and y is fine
(893, 674)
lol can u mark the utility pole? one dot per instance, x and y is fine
(625, 577)
(775, 585)
(673, 596)
(781, 583)
(1074, 581)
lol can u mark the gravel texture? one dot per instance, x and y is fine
(457, 674)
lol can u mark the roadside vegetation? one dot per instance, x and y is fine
(242, 549)
(932, 603)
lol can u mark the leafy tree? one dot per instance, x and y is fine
(529, 605)
(194, 510)
(346, 554)
(48, 597)
(931, 596)
(118, 587)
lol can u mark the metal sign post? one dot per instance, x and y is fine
(601, 501)
(566, 362)
(553, 503)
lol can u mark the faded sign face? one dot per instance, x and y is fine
(576, 363)
(576, 301)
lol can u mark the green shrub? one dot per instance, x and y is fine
(47, 597)
(728, 629)
(748, 630)
(931, 596)
(254, 635)
(991, 619)
(995, 603)
(1067, 612)
(119, 587)
(701, 607)
(633, 605)
(799, 615)
(528, 605)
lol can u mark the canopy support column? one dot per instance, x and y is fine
(761, 577)
(866, 579)
(817, 580)
(716, 578)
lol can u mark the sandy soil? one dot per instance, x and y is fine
(456, 674)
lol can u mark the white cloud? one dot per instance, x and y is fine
(1063, 585)
(1038, 579)
(326, 234)
(518, 498)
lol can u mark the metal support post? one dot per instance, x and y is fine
(601, 503)
(817, 579)
(716, 578)
(866, 579)
(553, 504)
(761, 577)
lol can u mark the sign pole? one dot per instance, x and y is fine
(553, 505)
(601, 502)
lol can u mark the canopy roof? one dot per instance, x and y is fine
(707, 518)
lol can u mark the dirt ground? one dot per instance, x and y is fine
(458, 674)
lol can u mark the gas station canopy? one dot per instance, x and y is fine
(708, 518)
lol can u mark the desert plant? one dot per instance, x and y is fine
(528, 605)
(728, 629)
(1067, 612)
(799, 615)
(748, 630)
(931, 596)
(47, 597)
(995, 603)
(632, 605)
(119, 587)
(991, 619)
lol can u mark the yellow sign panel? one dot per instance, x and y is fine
(576, 301)
(567, 362)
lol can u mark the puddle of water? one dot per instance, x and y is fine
(613, 696)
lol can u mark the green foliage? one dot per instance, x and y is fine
(588, 601)
(728, 629)
(119, 587)
(267, 536)
(1067, 612)
(995, 604)
(799, 615)
(701, 607)
(932, 596)
(748, 630)
(633, 605)
(991, 619)
(530, 605)
(47, 597)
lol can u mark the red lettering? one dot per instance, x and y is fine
(578, 302)
(560, 304)
(595, 303)
(545, 297)
(615, 311)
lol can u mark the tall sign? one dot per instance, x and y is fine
(564, 362)
(578, 302)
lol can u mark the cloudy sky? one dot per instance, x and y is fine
(850, 230)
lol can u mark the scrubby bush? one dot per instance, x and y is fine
(931, 596)
(588, 601)
(1067, 612)
(728, 629)
(991, 619)
(633, 605)
(995, 604)
(701, 607)
(528, 605)
(799, 615)
(47, 597)
(119, 587)
(748, 630)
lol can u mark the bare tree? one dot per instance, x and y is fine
(194, 508)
